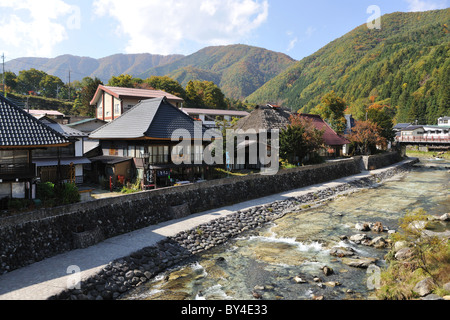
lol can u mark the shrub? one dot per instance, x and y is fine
(67, 193)
(45, 191)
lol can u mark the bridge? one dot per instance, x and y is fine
(424, 143)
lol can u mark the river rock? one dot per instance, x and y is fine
(377, 227)
(400, 245)
(404, 254)
(362, 226)
(327, 271)
(424, 287)
(447, 286)
(342, 252)
(378, 242)
(298, 279)
(359, 262)
(358, 238)
(445, 217)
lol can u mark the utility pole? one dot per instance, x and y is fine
(3, 75)
(69, 84)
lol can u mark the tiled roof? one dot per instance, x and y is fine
(119, 92)
(330, 137)
(20, 129)
(150, 119)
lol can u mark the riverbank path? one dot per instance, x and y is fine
(49, 277)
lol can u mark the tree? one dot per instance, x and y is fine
(82, 103)
(299, 140)
(166, 84)
(382, 116)
(124, 81)
(30, 80)
(205, 94)
(366, 135)
(50, 85)
(332, 110)
(10, 81)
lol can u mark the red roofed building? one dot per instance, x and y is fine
(112, 102)
(334, 142)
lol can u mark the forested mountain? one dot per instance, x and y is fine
(80, 67)
(237, 69)
(405, 64)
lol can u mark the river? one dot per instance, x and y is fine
(265, 262)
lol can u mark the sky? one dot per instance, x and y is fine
(100, 28)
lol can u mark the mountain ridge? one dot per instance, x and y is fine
(405, 64)
(237, 69)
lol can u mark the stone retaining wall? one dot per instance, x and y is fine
(35, 236)
(123, 275)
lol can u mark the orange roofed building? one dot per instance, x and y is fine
(112, 102)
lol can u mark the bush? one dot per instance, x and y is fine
(67, 193)
(52, 195)
(45, 191)
(18, 204)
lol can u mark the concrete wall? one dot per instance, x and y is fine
(31, 237)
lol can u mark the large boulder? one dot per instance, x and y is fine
(404, 254)
(342, 252)
(424, 287)
(359, 262)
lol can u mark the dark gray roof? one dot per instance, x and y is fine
(152, 119)
(20, 129)
(67, 131)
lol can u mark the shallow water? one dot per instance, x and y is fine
(266, 261)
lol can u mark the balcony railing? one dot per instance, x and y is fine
(17, 170)
(424, 139)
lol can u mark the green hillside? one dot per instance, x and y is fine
(406, 64)
(238, 70)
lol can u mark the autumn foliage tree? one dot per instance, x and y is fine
(332, 110)
(299, 139)
(366, 136)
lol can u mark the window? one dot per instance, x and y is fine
(140, 151)
(117, 109)
(13, 157)
(158, 154)
(198, 154)
(131, 151)
(113, 152)
(100, 111)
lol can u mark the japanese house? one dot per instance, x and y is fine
(112, 102)
(63, 164)
(139, 145)
(20, 135)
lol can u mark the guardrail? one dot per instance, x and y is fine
(424, 139)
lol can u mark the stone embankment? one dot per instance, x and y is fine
(125, 274)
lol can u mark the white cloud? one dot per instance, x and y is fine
(162, 26)
(425, 5)
(33, 28)
(310, 31)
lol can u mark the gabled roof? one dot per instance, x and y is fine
(19, 129)
(330, 137)
(150, 119)
(141, 94)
